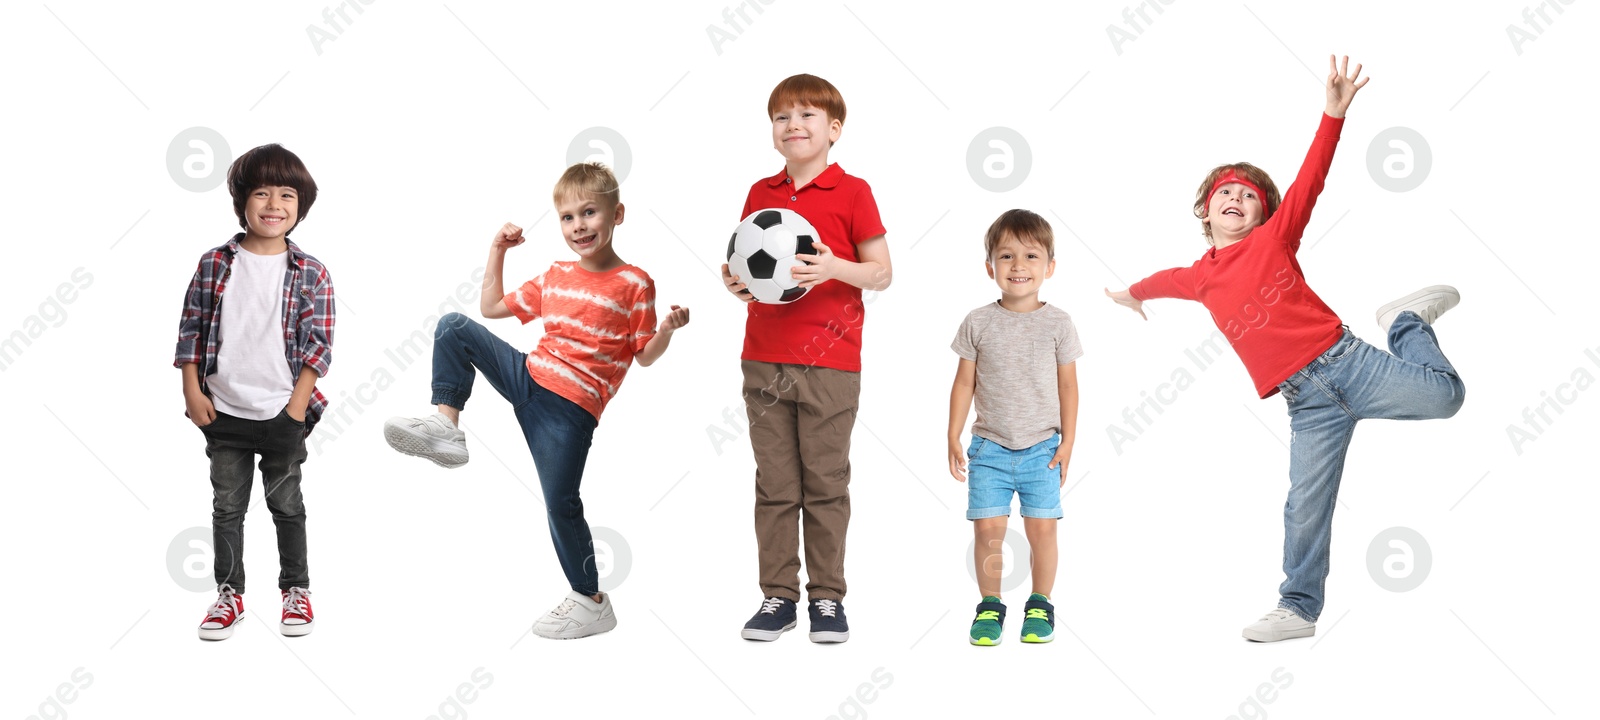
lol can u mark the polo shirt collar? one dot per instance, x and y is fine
(829, 177)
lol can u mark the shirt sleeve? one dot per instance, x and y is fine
(524, 302)
(319, 353)
(966, 342)
(1068, 347)
(642, 316)
(188, 350)
(1173, 283)
(865, 223)
(1294, 213)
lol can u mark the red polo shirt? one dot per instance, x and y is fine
(824, 327)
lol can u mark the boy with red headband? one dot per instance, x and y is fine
(1291, 342)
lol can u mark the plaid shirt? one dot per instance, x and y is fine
(307, 317)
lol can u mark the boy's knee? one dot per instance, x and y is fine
(1449, 402)
(451, 321)
(568, 507)
(287, 507)
(224, 510)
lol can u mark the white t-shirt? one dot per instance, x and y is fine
(252, 379)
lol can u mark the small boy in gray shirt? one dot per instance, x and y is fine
(1018, 360)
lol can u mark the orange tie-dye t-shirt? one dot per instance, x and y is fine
(594, 323)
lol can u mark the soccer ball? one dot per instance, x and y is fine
(763, 249)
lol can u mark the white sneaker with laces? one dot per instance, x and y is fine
(433, 437)
(1428, 303)
(1280, 624)
(577, 616)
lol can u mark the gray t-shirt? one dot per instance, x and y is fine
(1017, 395)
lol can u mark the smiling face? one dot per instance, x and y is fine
(803, 133)
(1232, 212)
(271, 212)
(586, 225)
(1019, 268)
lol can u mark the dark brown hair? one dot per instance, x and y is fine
(270, 165)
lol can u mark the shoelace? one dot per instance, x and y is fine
(1038, 614)
(565, 607)
(770, 605)
(827, 607)
(298, 602)
(224, 607)
(988, 615)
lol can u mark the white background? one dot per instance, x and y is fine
(427, 126)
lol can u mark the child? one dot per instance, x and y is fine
(1291, 342)
(599, 316)
(250, 367)
(1019, 361)
(802, 364)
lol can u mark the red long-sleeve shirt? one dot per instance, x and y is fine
(1254, 288)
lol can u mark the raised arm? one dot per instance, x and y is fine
(492, 303)
(1294, 213)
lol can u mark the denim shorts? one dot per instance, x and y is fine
(995, 471)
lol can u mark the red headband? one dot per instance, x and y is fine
(1232, 177)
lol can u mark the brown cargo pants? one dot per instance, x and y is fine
(800, 422)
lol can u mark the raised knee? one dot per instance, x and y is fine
(451, 321)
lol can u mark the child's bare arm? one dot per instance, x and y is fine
(300, 398)
(201, 411)
(872, 272)
(657, 345)
(1067, 386)
(492, 303)
(960, 405)
(1342, 87)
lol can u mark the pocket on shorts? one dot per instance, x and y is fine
(975, 447)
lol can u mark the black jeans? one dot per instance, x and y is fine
(232, 443)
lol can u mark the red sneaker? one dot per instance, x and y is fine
(223, 615)
(297, 619)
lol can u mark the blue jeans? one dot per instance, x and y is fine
(1351, 381)
(558, 431)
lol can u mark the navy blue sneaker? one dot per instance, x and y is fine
(827, 622)
(776, 617)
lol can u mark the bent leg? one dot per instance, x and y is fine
(461, 344)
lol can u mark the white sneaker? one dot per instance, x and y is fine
(577, 616)
(1428, 303)
(1280, 624)
(433, 437)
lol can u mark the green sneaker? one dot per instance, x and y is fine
(986, 626)
(1040, 626)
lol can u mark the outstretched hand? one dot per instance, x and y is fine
(1127, 300)
(1342, 86)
